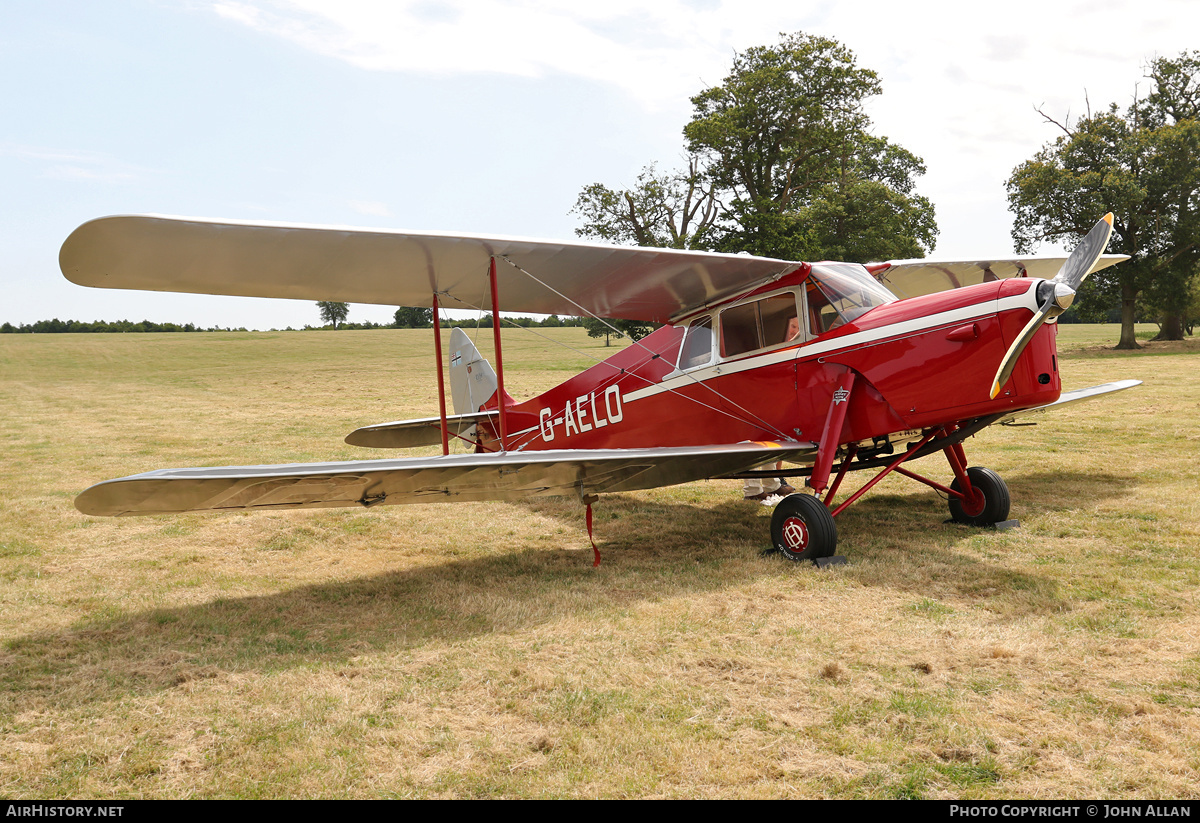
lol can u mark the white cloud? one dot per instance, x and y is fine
(961, 82)
(654, 51)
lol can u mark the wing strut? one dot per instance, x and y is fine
(437, 352)
(500, 395)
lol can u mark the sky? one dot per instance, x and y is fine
(487, 116)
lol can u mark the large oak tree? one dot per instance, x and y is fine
(1143, 164)
(781, 162)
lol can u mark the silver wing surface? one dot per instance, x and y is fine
(397, 268)
(453, 478)
(912, 278)
(423, 431)
(1069, 398)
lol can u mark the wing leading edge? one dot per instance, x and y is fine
(453, 478)
(913, 278)
(1069, 398)
(397, 268)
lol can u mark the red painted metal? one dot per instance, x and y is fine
(960, 454)
(964, 334)
(972, 498)
(890, 467)
(437, 351)
(850, 452)
(932, 484)
(957, 459)
(832, 432)
(906, 376)
(500, 395)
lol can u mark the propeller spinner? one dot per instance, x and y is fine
(1055, 296)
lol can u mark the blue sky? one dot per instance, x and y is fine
(484, 117)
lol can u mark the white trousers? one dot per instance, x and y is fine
(757, 485)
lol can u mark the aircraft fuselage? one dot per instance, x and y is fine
(921, 362)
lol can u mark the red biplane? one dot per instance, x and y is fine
(758, 361)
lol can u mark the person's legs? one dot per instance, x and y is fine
(760, 488)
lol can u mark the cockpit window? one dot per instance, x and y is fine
(697, 346)
(759, 325)
(841, 292)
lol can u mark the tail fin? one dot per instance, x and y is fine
(473, 381)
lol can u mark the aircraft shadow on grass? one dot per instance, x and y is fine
(695, 549)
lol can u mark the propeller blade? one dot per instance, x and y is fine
(1055, 296)
(1079, 265)
(1014, 351)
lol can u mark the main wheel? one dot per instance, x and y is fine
(989, 502)
(802, 528)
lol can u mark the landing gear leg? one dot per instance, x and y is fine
(987, 504)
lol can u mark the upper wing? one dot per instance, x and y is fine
(912, 278)
(397, 268)
(460, 477)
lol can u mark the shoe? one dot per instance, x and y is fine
(783, 491)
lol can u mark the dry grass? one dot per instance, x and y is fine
(463, 651)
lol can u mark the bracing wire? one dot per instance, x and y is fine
(627, 372)
(751, 415)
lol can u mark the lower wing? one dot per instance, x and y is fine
(452, 478)
(1068, 398)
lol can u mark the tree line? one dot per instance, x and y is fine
(418, 317)
(57, 326)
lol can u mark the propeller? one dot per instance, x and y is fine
(1055, 296)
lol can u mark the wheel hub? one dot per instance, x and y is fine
(974, 502)
(795, 533)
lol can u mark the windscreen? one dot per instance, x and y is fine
(841, 292)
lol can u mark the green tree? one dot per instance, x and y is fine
(1143, 164)
(333, 313)
(674, 211)
(413, 317)
(1191, 312)
(633, 329)
(781, 162)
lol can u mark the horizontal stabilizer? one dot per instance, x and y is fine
(1068, 398)
(424, 431)
(451, 478)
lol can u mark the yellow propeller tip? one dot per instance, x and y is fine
(995, 390)
(1108, 218)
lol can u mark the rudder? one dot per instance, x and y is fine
(473, 381)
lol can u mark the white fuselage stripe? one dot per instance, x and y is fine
(1027, 300)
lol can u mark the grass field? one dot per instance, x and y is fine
(472, 651)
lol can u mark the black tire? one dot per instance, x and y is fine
(803, 529)
(994, 506)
